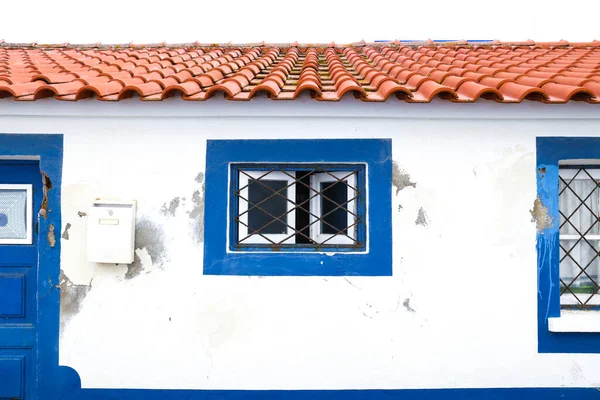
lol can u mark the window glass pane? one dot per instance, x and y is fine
(262, 194)
(13, 214)
(579, 203)
(579, 266)
(335, 218)
(579, 206)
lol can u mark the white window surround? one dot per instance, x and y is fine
(575, 321)
(244, 180)
(315, 204)
(28, 214)
(348, 176)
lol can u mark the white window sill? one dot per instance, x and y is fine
(575, 321)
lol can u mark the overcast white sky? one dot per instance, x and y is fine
(123, 21)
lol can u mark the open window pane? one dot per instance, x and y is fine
(265, 207)
(334, 218)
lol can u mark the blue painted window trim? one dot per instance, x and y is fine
(376, 260)
(550, 150)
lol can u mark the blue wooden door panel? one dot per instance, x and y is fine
(16, 336)
(17, 368)
(12, 295)
(18, 255)
(17, 303)
(12, 371)
(18, 294)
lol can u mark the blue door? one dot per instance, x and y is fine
(20, 200)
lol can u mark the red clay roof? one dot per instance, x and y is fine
(413, 72)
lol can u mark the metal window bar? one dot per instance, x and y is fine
(570, 288)
(278, 193)
(351, 215)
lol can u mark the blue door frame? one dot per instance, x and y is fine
(45, 380)
(18, 282)
(55, 382)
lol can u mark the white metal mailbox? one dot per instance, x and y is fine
(111, 232)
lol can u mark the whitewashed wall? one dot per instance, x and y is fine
(459, 311)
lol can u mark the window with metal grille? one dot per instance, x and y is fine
(568, 244)
(579, 210)
(298, 207)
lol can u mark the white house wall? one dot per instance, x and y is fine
(459, 311)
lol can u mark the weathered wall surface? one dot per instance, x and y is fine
(459, 311)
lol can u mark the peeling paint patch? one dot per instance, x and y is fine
(422, 218)
(406, 304)
(46, 186)
(169, 211)
(71, 297)
(198, 200)
(197, 212)
(135, 268)
(51, 236)
(400, 178)
(539, 215)
(65, 234)
(81, 214)
(151, 237)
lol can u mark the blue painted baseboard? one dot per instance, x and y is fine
(405, 394)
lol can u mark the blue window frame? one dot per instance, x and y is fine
(558, 160)
(298, 207)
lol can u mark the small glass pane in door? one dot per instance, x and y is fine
(14, 205)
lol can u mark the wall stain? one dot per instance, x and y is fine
(576, 372)
(71, 297)
(51, 237)
(400, 178)
(65, 234)
(197, 213)
(366, 316)
(422, 218)
(46, 186)
(351, 284)
(169, 211)
(406, 305)
(81, 214)
(149, 236)
(539, 215)
(135, 268)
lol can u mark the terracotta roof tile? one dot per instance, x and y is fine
(413, 72)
